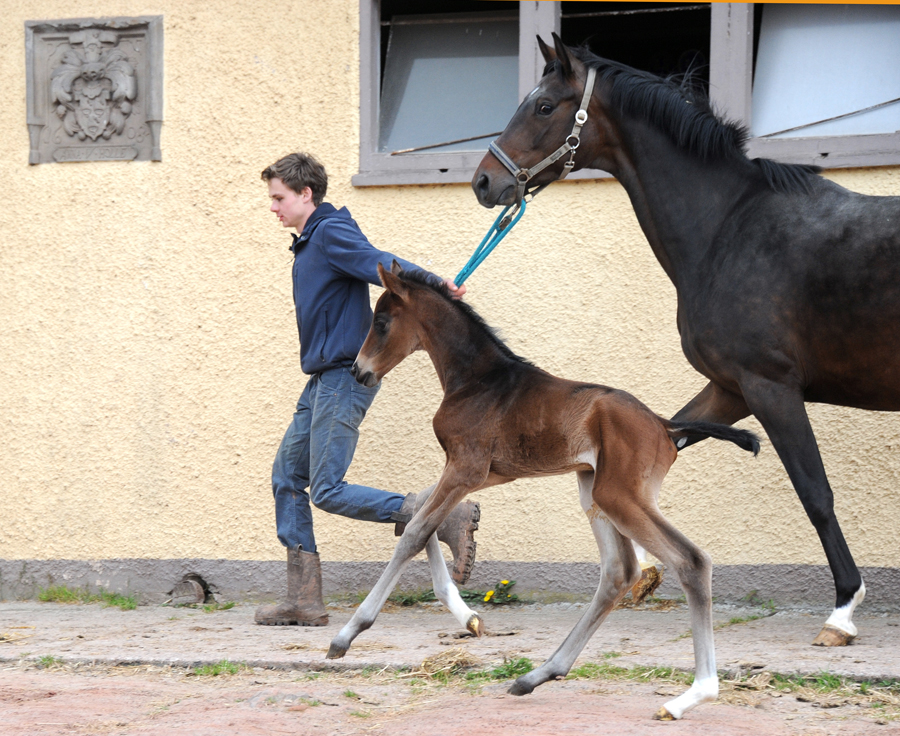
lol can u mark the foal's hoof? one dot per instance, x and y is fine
(832, 636)
(475, 624)
(520, 688)
(336, 651)
(663, 715)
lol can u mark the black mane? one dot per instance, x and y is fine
(679, 108)
(428, 281)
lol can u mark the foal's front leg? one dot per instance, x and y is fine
(451, 489)
(446, 592)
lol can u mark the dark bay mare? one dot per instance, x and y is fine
(788, 285)
(502, 418)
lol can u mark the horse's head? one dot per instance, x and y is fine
(543, 122)
(393, 334)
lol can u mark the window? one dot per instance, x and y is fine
(450, 82)
(446, 70)
(428, 76)
(779, 69)
(805, 53)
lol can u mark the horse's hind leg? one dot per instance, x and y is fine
(782, 412)
(619, 571)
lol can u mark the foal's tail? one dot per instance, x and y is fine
(681, 432)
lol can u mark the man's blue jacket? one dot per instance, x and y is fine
(334, 264)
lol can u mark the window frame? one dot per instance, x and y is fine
(451, 167)
(730, 90)
(731, 87)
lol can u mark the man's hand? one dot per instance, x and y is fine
(455, 291)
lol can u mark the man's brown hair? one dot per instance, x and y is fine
(299, 170)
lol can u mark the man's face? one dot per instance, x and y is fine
(293, 209)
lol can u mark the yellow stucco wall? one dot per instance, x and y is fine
(149, 352)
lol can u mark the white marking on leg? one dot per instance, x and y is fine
(702, 691)
(840, 617)
(446, 592)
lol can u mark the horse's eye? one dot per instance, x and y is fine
(545, 109)
(380, 326)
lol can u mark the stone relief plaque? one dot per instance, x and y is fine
(94, 89)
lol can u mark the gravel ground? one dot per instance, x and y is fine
(73, 669)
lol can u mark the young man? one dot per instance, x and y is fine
(334, 264)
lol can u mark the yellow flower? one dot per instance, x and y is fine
(504, 582)
(489, 595)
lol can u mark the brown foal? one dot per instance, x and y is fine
(503, 418)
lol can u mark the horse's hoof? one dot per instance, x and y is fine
(475, 624)
(651, 578)
(832, 636)
(520, 688)
(335, 651)
(663, 715)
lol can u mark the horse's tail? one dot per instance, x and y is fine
(681, 432)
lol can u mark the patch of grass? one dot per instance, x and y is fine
(60, 594)
(311, 702)
(360, 713)
(216, 606)
(63, 594)
(733, 621)
(412, 597)
(603, 671)
(510, 669)
(350, 694)
(48, 661)
(219, 668)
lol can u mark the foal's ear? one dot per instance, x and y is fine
(562, 53)
(548, 53)
(390, 280)
(396, 268)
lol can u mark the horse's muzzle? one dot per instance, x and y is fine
(486, 186)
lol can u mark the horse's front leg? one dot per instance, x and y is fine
(451, 489)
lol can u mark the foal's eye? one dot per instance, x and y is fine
(545, 109)
(380, 326)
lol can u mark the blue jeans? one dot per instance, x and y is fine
(316, 452)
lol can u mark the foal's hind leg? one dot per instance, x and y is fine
(694, 570)
(619, 571)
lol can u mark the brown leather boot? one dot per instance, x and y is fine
(304, 604)
(457, 532)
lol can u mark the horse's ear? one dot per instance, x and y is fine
(562, 53)
(546, 51)
(396, 268)
(391, 282)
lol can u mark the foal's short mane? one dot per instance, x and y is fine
(426, 280)
(678, 107)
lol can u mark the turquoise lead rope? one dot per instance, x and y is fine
(499, 230)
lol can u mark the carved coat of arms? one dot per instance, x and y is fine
(93, 89)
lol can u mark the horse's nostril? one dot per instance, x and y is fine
(354, 370)
(482, 184)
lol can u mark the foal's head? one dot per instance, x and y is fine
(394, 333)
